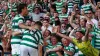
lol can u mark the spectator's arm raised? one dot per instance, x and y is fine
(71, 19)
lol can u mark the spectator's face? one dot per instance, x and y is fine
(78, 11)
(36, 10)
(25, 11)
(77, 21)
(5, 7)
(45, 23)
(82, 22)
(65, 20)
(28, 23)
(63, 10)
(79, 35)
(4, 14)
(98, 14)
(89, 14)
(65, 42)
(53, 40)
(47, 18)
(33, 23)
(85, 1)
(46, 33)
(63, 26)
(56, 14)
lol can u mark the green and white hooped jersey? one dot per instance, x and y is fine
(69, 48)
(77, 2)
(70, 4)
(15, 27)
(86, 7)
(96, 38)
(32, 38)
(14, 5)
(50, 46)
(59, 6)
(30, 7)
(61, 16)
(78, 52)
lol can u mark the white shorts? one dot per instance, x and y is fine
(15, 49)
(28, 51)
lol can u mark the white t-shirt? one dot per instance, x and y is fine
(49, 28)
(36, 17)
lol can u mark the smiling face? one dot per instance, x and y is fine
(45, 23)
(89, 14)
(65, 42)
(37, 10)
(46, 33)
(53, 40)
(28, 23)
(82, 22)
(64, 10)
(63, 26)
(79, 35)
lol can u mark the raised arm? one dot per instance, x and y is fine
(71, 19)
(92, 4)
(86, 37)
(71, 33)
(69, 52)
(16, 33)
(23, 26)
(54, 49)
(64, 36)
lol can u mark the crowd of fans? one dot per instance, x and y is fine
(50, 27)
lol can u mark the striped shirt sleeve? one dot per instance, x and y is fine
(20, 20)
(40, 37)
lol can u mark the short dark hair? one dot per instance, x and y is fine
(20, 7)
(81, 31)
(38, 23)
(37, 8)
